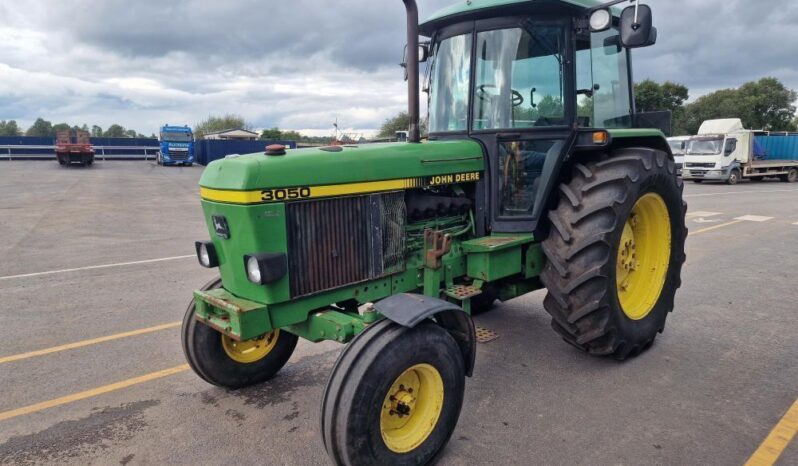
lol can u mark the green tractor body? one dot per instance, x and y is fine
(535, 173)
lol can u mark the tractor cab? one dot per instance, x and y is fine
(524, 79)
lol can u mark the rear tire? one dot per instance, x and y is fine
(210, 354)
(791, 176)
(589, 288)
(363, 400)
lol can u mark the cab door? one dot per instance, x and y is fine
(522, 112)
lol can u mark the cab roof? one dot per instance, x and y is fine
(474, 7)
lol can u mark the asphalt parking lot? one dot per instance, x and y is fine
(102, 260)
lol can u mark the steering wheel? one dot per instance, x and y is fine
(483, 95)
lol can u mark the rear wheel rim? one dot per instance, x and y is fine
(643, 256)
(249, 351)
(411, 408)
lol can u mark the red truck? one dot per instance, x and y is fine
(74, 147)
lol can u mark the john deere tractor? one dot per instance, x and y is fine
(537, 172)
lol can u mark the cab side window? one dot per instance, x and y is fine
(731, 146)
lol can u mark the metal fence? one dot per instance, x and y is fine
(47, 152)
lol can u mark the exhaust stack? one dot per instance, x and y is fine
(414, 135)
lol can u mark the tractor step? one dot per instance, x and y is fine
(462, 292)
(485, 335)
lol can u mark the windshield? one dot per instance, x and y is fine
(677, 147)
(449, 83)
(519, 78)
(706, 146)
(176, 137)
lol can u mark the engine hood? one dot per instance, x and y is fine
(342, 165)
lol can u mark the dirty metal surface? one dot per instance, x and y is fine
(485, 335)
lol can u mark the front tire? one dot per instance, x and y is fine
(615, 252)
(224, 362)
(394, 396)
(734, 177)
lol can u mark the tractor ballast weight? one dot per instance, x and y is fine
(534, 174)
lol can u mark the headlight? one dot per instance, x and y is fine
(600, 20)
(265, 267)
(206, 254)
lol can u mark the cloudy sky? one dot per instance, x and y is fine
(300, 64)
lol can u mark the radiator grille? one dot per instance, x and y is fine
(341, 241)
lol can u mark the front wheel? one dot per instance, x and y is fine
(734, 177)
(615, 252)
(225, 362)
(394, 396)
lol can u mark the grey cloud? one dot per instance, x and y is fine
(302, 63)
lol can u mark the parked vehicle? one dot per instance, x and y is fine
(74, 146)
(177, 146)
(391, 247)
(679, 149)
(725, 151)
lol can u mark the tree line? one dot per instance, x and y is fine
(765, 104)
(44, 128)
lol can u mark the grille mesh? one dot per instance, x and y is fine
(341, 241)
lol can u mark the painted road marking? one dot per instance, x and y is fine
(776, 442)
(705, 230)
(92, 341)
(703, 214)
(796, 223)
(742, 192)
(754, 218)
(5, 415)
(93, 267)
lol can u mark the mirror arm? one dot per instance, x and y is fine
(604, 6)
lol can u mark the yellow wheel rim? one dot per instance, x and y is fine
(643, 256)
(411, 408)
(247, 352)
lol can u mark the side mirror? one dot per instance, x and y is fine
(637, 28)
(423, 55)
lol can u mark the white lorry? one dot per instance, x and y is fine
(725, 151)
(679, 148)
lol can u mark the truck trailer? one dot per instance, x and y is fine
(73, 147)
(725, 151)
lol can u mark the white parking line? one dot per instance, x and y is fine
(93, 267)
(724, 193)
(703, 214)
(754, 218)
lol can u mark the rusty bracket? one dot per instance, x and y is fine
(436, 245)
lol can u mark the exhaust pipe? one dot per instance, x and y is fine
(412, 71)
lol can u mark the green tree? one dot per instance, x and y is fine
(271, 134)
(96, 131)
(9, 128)
(769, 105)
(41, 128)
(131, 133)
(115, 131)
(400, 122)
(61, 127)
(651, 96)
(213, 124)
(764, 104)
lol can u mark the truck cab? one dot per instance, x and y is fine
(719, 151)
(177, 146)
(678, 149)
